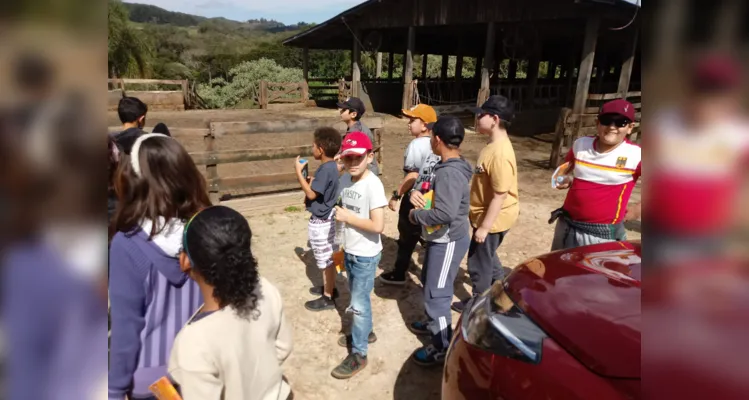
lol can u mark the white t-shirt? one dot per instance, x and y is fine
(360, 198)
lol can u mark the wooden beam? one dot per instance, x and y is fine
(488, 61)
(249, 155)
(424, 61)
(391, 62)
(378, 71)
(355, 65)
(626, 69)
(408, 67)
(533, 67)
(285, 126)
(305, 63)
(148, 81)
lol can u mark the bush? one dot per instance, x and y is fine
(243, 82)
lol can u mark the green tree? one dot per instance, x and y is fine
(129, 53)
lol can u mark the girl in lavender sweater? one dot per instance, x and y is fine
(158, 188)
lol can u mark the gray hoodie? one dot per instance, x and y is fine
(451, 200)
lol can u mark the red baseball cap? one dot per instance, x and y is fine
(619, 107)
(356, 143)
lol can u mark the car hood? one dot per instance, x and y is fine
(588, 300)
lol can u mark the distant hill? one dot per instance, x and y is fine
(148, 14)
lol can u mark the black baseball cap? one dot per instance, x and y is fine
(450, 130)
(497, 105)
(353, 104)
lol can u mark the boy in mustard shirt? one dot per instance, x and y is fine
(494, 195)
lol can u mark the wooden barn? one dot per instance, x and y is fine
(587, 50)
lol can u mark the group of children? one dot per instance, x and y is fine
(182, 271)
(181, 274)
(484, 199)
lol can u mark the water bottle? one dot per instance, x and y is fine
(562, 179)
(339, 228)
(305, 169)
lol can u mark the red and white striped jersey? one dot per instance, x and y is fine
(603, 181)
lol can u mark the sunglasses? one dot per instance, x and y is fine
(619, 122)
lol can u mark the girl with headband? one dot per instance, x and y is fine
(233, 347)
(159, 188)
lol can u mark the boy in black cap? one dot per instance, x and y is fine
(494, 195)
(352, 109)
(445, 228)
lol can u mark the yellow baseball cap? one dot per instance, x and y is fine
(423, 112)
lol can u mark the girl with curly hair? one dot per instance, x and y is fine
(158, 188)
(233, 347)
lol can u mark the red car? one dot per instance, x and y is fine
(565, 325)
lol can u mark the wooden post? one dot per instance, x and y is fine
(457, 92)
(424, 61)
(391, 62)
(601, 70)
(495, 70)
(263, 95)
(185, 96)
(477, 73)
(570, 68)
(512, 69)
(211, 170)
(626, 69)
(355, 69)
(378, 71)
(586, 68)
(551, 70)
(556, 147)
(305, 63)
(378, 138)
(583, 86)
(408, 67)
(488, 61)
(533, 65)
(445, 62)
(304, 86)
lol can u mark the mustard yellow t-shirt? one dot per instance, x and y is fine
(496, 171)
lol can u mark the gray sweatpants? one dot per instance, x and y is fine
(566, 237)
(438, 275)
(484, 265)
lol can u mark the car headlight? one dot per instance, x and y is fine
(492, 322)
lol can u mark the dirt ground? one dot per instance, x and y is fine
(280, 246)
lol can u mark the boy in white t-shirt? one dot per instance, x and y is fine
(364, 201)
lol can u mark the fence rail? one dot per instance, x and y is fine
(282, 92)
(156, 100)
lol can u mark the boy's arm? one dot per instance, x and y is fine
(375, 223)
(448, 192)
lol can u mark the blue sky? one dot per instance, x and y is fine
(286, 11)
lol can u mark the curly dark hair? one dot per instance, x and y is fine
(217, 241)
(329, 140)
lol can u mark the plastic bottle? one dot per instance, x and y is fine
(305, 169)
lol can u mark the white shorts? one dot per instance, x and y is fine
(321, 240)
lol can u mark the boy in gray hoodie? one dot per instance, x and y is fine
(445, 228)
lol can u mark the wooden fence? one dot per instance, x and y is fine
(282, 92)
(252, 169)
(167, 100)
(570, 126)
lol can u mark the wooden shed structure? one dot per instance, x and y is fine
(589, 46)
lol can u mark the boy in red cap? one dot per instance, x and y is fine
(421, 118)
(362, 209)
(605, 168)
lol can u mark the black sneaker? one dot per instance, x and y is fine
(420, 328)
(429, 356)
(350, 366)
(318, 291)
(459, 306)
(321, 303)
(390, 278)
(347, 340)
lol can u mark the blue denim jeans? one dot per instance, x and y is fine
(361, 275)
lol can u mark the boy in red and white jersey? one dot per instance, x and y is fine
(605, 169)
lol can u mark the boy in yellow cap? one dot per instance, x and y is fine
(418, 153)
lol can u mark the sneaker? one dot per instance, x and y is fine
(420, 328)
(459, 306)
(350, 366)
(389, 278)
(321, 303)
(429, 356)
(317, 291)
(347, 340)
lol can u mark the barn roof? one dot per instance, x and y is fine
(439, 22)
